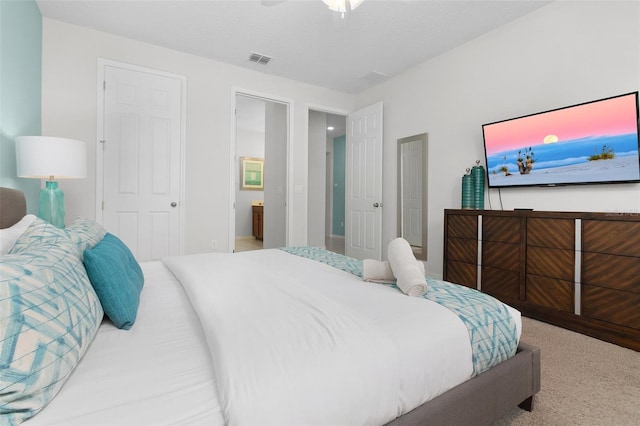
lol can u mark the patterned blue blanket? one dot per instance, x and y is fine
(492, 329)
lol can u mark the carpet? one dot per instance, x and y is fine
(584, 381)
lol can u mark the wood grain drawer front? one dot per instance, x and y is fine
(501, 255)
(550, 292)
(501, 283)
(459, 226)
(550, 262)
(614, 306)
(501, 229)
(612, 237)
(553, 233)
(462, 273)
(463, 250)
(605, 270)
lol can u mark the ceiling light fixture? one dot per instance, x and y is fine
(342, 6)
(330, 128)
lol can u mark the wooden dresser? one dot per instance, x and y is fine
(258, 221)
(577, 270)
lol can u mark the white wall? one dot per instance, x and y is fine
(561, 54)
(69, 108)
(317, 177)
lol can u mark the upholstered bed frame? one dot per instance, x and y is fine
(478, 401)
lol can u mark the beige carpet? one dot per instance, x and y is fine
(584, 381)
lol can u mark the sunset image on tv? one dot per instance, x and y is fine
(594, 142)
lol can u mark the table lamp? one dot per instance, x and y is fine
(51, 158)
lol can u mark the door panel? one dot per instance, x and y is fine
(141, 174)
(363, 230)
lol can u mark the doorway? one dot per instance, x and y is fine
(326, 208)
(260, 173)
(362, 183)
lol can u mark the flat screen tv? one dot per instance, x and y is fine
(589, 143)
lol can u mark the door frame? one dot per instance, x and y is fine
(99, 188)
(234, 171)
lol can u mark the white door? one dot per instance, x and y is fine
(411, 206)
(363, 203)
(141, 160)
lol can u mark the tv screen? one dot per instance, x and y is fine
(589, 143)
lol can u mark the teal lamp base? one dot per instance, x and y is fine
(52, 205)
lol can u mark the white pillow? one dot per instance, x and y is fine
(8, 236)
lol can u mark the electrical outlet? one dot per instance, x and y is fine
(214, 244)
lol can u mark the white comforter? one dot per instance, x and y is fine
(294, 341)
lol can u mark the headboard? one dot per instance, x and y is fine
(13, 207)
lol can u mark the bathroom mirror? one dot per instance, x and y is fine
(412, 192)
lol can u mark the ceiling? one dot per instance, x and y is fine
(308, 42)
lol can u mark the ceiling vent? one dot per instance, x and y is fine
(259, 58)
(373, 77)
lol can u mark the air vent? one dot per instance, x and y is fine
(260, 58)
(373, 77)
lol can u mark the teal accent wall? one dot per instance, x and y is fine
(339, 159)
(20, 88)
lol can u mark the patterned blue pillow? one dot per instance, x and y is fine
(85, 233)
(117, 278)
(49, 315)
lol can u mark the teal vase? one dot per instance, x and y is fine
(52, 205)
(467, 191)
(477, 172)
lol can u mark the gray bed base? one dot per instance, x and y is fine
(486, 397)
(478, 401)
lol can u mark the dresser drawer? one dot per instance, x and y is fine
(614, 306)
(550, 292)
(501, 283)
(462, 273)
(463, 250)
(460, 226)
(552, 233)
(501, 255)
(501, 229)
(611, 237)
(550, 262)
(606, 270)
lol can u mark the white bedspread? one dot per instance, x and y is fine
(159, 372)
(370, 353)
(294, 341)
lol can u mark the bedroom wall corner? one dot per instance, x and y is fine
(20, 83)
(561, 54)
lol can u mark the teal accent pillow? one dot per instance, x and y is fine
(49, 314)
(117, 278)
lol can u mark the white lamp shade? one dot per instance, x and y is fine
(45, 156)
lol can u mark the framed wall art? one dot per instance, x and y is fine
(251, 173)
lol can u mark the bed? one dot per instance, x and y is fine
(291, 336)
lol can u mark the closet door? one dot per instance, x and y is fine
(141, 158)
